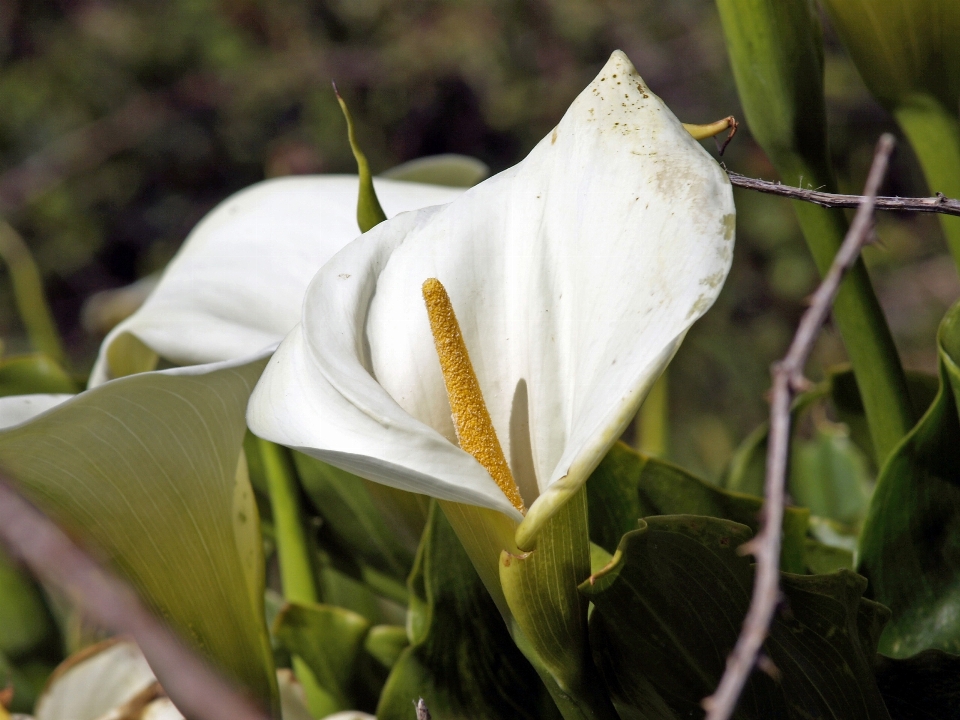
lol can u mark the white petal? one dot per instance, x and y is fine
(93, 682)
(574, 275)
(237, 284)
(16, 409)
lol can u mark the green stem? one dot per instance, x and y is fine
(655, 420)
(293, 550)
(866, 335)
(28, 293)
(934, 135)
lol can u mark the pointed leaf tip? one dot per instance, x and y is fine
(369, 212)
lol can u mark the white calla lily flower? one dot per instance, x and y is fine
(113, 681)
(574, 275)
(237, 284)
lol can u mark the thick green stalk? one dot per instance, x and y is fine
(28, 293)
(776, 51)
(655, 420)
(869, 344)
(934, 134)
(293, 550)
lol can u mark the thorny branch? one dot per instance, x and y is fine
(197, 690)
(937, 204)
(788, 380)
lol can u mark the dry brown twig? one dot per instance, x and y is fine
(788, 381)
(937, 204)
(197, 690)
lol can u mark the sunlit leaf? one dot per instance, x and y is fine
(146, 469)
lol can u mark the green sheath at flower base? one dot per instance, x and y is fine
(776, 51)
(908, 53)
(369, 212)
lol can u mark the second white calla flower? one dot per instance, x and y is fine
(237, 284)
(574, 275)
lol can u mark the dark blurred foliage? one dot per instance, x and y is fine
(207, 97)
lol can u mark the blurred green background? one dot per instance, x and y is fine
(123, 123)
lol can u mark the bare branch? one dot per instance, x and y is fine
(937, 204)
(788, 380)
(197, 690)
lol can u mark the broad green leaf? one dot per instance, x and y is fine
(908, 53)
(776, 52)
(385, 643)
(25, 620)
(352, 516)
(910, 543)
(328, 639)
(829, 475)
(923, 687)
(36, 373)
(627, 486)
(450, 170)
(540, 587)
(461, 659)
(748, 466)
(147, 469)
(668, 610)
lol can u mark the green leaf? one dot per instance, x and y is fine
(748, 466)
(668, 610)
(540, 587)
(369, 212)
(25, 620)
(776, 51)
(25, 691)
(627, 486)
(845, 397)
(829, 475)
(450, 169)
(352, 515)
(329, 640)
(461, 659)
(908, 53)
(923, 687)
(385, 643)
(910, 543)
(34, 374)
(822, 558)
(149, 470)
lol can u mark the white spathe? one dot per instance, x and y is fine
(237, 284)
(574, 275)
(107, 682)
